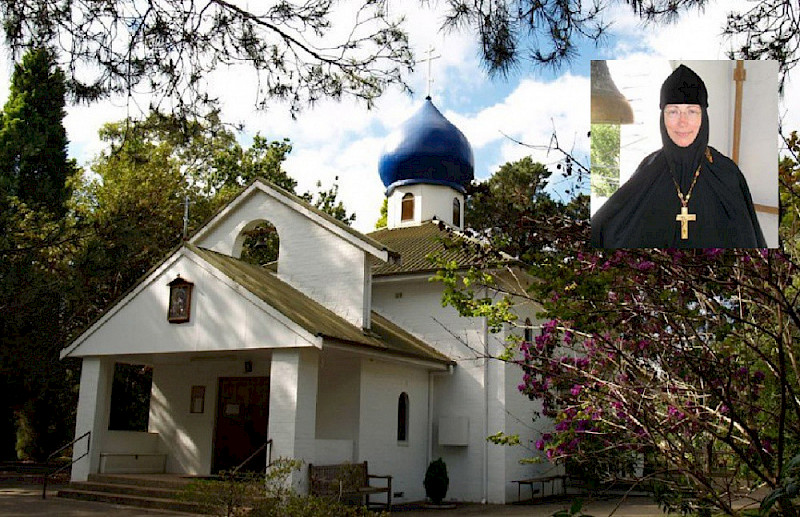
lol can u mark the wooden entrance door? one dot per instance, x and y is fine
(242, 415)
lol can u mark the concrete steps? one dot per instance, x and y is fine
(153, 492)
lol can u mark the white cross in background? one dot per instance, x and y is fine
(429, 59)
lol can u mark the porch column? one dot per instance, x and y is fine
(293, 407)
(92, 414)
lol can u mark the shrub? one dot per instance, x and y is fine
(260, 495)
(436, 481)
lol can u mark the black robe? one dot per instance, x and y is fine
(641, 214)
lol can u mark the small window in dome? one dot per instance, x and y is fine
(456, 212)
(407, 207)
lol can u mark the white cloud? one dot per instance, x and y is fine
(531, 114)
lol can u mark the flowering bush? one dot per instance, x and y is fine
(687, 359)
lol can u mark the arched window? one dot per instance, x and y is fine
(528, 331)
(407, 207)
(402, 418)
(456, 212)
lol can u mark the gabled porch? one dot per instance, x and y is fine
(210, 411)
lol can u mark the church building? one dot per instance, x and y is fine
(340, 352)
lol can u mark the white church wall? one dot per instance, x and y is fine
(338, 397)
(417, 306)
(429, 201)
(187, 438)
(311, 258)
(381, 386)
(223, 317)
(294, 377)
(497, 413)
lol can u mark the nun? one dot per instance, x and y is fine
(685, 195)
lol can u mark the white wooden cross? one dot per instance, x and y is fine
(429, 59)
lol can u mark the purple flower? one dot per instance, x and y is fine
(549, 326)
(576, 389)
(540, 445)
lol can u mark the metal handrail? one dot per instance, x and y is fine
(258, 451)
(47, 474)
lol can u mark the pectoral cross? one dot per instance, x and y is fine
(684, 217)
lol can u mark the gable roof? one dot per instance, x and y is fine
(298, 204)
(415, 244)
(384, 336)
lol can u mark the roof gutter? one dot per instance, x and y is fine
(385, 354)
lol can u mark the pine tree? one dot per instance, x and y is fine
(33, 142)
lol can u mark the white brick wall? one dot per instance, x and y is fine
(381, 386)
(223, 317)
(429, 201)
(417, 304)
(314, 260)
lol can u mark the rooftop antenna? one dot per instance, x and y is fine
(186, 218)
(429, 59)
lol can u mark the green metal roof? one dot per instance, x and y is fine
(416, 244)
(384, 336)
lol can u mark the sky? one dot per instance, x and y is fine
(344, 140)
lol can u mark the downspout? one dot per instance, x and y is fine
(449, 371)
(485, 407)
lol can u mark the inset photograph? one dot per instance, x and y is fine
(684, 154)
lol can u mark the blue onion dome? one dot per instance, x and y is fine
(427, 148)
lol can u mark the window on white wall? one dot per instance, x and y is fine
(407, 207)
(402, 417)
(456, 212)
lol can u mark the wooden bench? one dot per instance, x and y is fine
(347, 480)
(541, 480)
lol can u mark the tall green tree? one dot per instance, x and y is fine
(504, 208)
(35, 240)
(34, 165)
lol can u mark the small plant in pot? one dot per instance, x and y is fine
(436, 482)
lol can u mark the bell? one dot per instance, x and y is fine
(608, 105)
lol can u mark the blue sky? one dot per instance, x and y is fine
(345, 139)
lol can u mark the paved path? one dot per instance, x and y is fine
(633, 507)
(26, 500)
(17, 500)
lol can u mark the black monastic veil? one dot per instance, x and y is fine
(641, 214)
